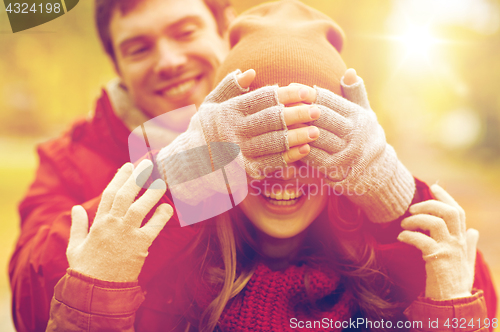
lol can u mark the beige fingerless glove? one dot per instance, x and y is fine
(231, 124)
(359, 162)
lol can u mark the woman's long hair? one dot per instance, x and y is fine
(224, 257)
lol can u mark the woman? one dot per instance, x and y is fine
(273, 264)
(296, 253)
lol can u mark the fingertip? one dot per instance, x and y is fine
(304, 149)
(127, 167)
(350, 71)
(250, 72)
(76, 209)
(313, 132)
(403, 236)
(314, 112)
(142, 172)
(79, 220)
(435, 186)
(168, 209)
(246, 78)
(145, 163)
(158, 184)
(439, 191)
(303, 93)
(400, 236)
(409, 224)
(473, 233)
(350, 76)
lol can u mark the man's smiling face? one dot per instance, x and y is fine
(167, 52)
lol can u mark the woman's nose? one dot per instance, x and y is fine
(288, 172)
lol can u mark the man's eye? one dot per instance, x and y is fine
(138, 50)
(187, 32)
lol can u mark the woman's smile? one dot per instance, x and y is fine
(284, 206)
(282, 198)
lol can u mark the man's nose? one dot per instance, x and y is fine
(171, 58)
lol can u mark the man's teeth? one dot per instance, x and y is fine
(180, 88)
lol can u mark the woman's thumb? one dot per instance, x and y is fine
(472, 236)
(79, 226)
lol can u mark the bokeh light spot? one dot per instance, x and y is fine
(418, 41)
(460, 129)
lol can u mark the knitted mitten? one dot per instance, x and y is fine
(357, 159)
(253, 122)
(116, 246)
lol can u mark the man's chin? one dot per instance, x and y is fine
(162, 108)
(177, 121)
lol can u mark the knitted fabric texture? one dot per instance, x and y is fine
(289, 42)
(272, 298)
(286, 42)
(253, 120)
(114, 249)
(358, 161)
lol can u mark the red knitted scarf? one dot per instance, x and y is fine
(281, 301)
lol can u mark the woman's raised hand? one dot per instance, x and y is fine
(254, 120)
(300, 135)
(449, 251)
(116, 246)
(353, 151)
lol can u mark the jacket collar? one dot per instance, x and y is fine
(129, 123)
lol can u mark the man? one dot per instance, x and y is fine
(166, 53)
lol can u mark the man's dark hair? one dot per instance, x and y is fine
(104, 10)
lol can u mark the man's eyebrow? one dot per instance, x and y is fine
(186, 20)
(176, 25)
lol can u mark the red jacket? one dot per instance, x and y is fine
(273, 303)
(76, 167)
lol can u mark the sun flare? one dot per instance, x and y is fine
(418, 40)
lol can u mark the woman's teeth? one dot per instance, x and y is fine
(283, 197)
(180, 88)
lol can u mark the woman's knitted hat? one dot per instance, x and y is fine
(286, 42)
